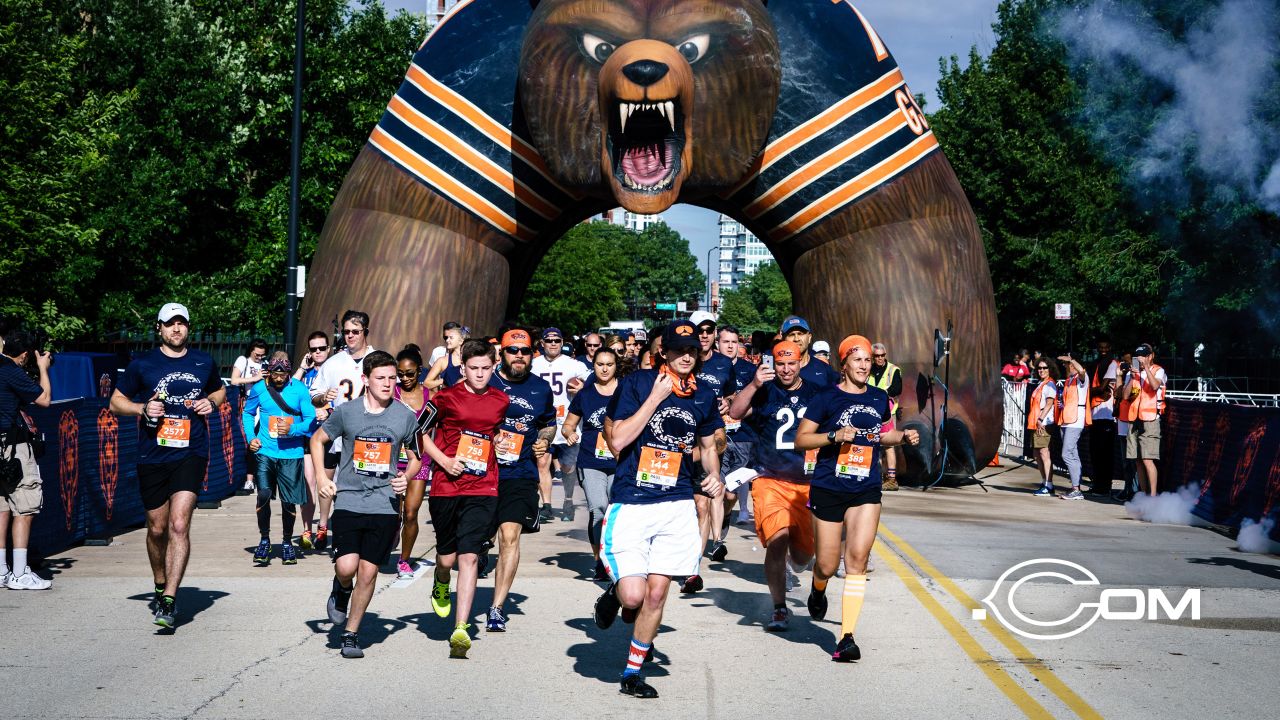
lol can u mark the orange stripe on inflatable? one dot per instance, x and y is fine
(457, 191)
(855, 187)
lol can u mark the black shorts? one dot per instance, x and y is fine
(463, 523)
(830, 505)
(518, 503)
(331, 457)
(369, 535)
(158, 482)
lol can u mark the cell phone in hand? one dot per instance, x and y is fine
(767, 361)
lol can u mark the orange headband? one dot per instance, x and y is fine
(852, 343)
(786, 350)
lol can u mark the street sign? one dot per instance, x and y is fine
(667, 306)
(681, 307)
(1062, 311)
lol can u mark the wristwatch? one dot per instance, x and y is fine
(831, 437)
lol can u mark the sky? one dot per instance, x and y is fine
(918, 34)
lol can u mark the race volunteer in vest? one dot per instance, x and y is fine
(173, 389)
(774, 402)
(526, 432)
(655, 422)
(1042, 416)
(565, 375)
(1102, 406)
(1146, 406)
(1128, 468)
(888, 377)
(338, 382)
(286, 421)
(845, 423)
(1075, 418)
(584, 427)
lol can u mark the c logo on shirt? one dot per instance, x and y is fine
(525, 419)
(657, 426)
(846, 417)
(163, 388)
(596, 419)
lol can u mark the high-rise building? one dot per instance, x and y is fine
(741, 252)
(629, 220)
(437, 9)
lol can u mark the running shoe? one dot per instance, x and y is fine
(793, 580)
(779, 620)
(459, 642)
(846, 650)
(351, 646)
(606, 608)
(568, 511)
(840, 568)
(1075, 494)
(497, 621)
(165, 613)
(404, 571)
(602, 572)
(4, 579)
(889, 484)
(628, 615)
(719, 551)
(27, 581)
(322, 538)
(336, 608)
(288, 553)
(262, 555)
(545, 515)
(817, 604)
(692, 584)
(307, 544)
(157, 596)
(635, 686)
(1044, 491)
(440, 599)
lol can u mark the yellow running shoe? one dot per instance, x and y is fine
(440, 599)
(459, 642)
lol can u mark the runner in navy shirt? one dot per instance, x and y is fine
(716, 373)
(584, 427)
(812, 370)
(844, 424)
(655, 421)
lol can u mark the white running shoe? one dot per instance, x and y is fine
(28, 581)
(840, 570)
(4, 579)
(793, 581)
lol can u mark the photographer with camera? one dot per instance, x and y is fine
(20, 485)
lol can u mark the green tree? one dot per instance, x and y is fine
(659, 267)
(576, 285)
(760, 303)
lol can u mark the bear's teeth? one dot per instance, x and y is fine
(669, 110)
(623, 113)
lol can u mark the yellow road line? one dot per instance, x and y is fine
(1034, 664)
(978, 654)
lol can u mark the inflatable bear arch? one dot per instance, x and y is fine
(518, 120)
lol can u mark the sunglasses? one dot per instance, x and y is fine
(353, 332)
(878, 355)
(518, 350)
(321, 348)
(552, 341)
(593, 346)
(407, 373)
(1042, 367)
(707, 330)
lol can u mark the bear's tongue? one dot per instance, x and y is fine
(644, 165)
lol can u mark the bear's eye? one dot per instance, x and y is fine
(695, 48)
(596, 48)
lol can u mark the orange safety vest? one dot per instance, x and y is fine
(1033, 410)
(1096, 382)
(1071, 403)
(1148, 405)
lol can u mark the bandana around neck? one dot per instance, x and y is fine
(682, 388)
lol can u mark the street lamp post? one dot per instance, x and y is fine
(295, 162)
(707, 304)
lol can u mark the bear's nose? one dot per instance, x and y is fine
(645, 72)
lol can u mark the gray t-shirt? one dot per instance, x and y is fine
(371, 444)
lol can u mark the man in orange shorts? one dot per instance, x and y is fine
(773, 402)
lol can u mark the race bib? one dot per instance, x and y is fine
(174, 432)
(371, 457)
(278, 425)
(810, 461)
(854, 461)
(473, 451)
(509, 446)
(561, 412)
(731, 425)
(658, 468)
(602, 448)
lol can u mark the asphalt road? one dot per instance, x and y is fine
(254, 643)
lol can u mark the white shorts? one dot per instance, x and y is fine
(657, 538)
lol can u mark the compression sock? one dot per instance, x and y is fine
(288, 514)
(264, 512)
(855, 587)
(635, 657)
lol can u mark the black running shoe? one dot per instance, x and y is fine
(568, 511)
(165, 612)
(606, 609)
(336, 608)
(635, 686)
(719, 552)
(351, 646)
(846, 650)
(602, 573)
(817, 604)
(546, 515)
(156, 599)
(692, 584)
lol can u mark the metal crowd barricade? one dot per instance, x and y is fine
(1013, 434)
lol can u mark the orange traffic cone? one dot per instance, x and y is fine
(995, 461)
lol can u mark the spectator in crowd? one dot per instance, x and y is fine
(1102, 408)
(318, 347)
(1016, 369)
(21, 489)
(246, 371)
(1042, 417)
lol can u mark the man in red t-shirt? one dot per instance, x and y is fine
(464, 484)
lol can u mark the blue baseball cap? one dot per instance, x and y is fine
(791, 323)
(680, 334)
(552, 332)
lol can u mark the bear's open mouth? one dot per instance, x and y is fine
(645, 140)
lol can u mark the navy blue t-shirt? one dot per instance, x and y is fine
(591, 406)
(820, 374)
(452, 374)
(849, 467)
(529, 411)
(182, 381)
(657, 466)
(16, 390)
(744, 371)
(775, 414)
(717, 375)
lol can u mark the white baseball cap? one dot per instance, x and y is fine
(702, 316)
(821, 347)
(173, 310)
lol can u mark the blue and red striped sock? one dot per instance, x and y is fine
(635, 657)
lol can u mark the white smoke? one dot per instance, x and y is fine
(1255, 537)
(1217, 76)
(1171, 508)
